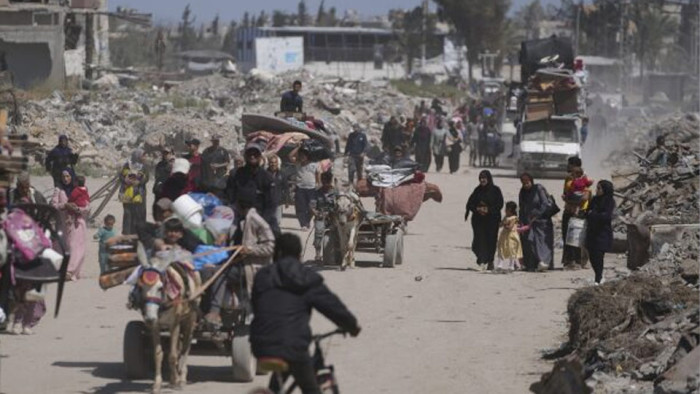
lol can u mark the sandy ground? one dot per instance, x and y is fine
(432, 325)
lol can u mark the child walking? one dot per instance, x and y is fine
(510, 251)
(106, 232)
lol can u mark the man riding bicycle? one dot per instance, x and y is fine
(284, 293)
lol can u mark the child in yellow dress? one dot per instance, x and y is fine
(510, 251)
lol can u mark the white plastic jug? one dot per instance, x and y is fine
(576, 233)
(189, 211)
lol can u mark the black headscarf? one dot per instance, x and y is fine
(489, 194)
(607, 200)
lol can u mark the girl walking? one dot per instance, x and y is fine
(510, 251)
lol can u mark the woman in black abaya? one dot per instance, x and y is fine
(485, 204)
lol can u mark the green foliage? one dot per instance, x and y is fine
(481, 23)
(302, 14)
(412, 29)
(528, 17)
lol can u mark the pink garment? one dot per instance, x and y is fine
(76, 229)
(80, 196)
(580, 184)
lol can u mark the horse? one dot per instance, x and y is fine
(162, 292)
(347, 219)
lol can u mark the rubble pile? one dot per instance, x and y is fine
(670, 190)
(639, 332)
(104, 125)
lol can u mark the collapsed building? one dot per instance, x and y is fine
(46, 42)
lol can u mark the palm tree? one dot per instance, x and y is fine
(653, 27)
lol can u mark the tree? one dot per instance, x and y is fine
(321, 15)
(653, 27)
(246, 20)
(215, 26)
(187, 34)
(529, 17)
(332, 18)
(262, 19)
(302, 15)
(481, 23)
(280, 18)
(229, 44)
(411, 30)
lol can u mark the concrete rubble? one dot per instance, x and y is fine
(639, 332)
(106, 123)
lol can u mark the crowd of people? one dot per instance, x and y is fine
(433, 135)
(253, 188)
(526, 238)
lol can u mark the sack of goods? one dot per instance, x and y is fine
(576, 233)
(317, 151)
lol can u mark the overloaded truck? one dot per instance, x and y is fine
(550, 107)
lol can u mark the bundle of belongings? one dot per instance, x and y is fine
(398, 190)
(552, 91)
(31, 252)
(206, 221)
(281, 144)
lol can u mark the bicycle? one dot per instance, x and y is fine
(325, 374)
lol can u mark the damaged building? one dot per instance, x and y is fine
(46, 42)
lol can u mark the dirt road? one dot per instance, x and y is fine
(432, 325)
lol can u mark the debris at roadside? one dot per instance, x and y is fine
(639, 332)
(105, 124)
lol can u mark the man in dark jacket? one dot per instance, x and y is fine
(284, 293)
(355, 151)
(163, 169)
(60, 158)
(392, 135)
(291, 100)
(253, 176)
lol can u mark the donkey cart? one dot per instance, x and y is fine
(377, 233)
(230, 338)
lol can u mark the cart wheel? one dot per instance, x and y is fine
(138, 355)
(399, 247)
(331, 252)
(244, 364)
(391, 247)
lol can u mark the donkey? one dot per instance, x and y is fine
(164, 287)
(348, 217)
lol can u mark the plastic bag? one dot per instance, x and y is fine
(207, 201)
(214, 258)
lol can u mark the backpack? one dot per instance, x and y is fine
(25, 234)
(552, 207)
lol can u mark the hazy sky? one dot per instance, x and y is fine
(205, 10)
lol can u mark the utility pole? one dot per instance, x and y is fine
(578, 25)
(424, 34)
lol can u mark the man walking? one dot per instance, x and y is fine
(291, 100)
(60, 158)
(255, 178)
(355, 151)
(215, 161)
